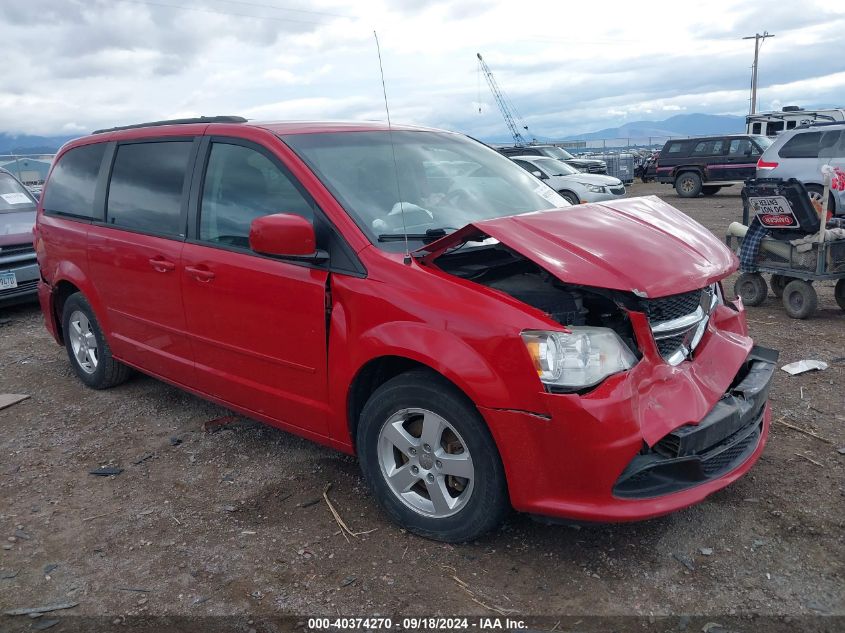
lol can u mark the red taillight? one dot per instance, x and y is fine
(762, 164)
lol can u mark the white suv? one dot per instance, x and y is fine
(800, 154)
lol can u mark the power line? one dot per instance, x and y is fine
(758, 42)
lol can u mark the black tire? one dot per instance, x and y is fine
(817, 191)
(800, 299)
(839, 293)
(710, 190)
(570, 197)
(688, 184)
(752, 288)
(488, 502)
(777, 284)
(107, 372)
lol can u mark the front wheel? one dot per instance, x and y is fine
(751, 287)
(570, 197)
(430, 460)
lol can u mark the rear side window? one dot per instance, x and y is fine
(709, 148)
(675, 148)
(147, 182)
(804, 145)
(70, 189)
(241, 185)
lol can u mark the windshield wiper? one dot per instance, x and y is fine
(430, 235)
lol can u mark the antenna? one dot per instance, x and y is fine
(407, 259)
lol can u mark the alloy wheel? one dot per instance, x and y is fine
(425, 462)
(83, 342)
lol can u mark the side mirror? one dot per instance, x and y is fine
(284, 235)
(539, 175)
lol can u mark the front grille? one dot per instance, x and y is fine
(727, 459)
(675, 322)
(596, 169)
(673, 306)
(617, 190)
(670, 345)
(16, 249)
(23, 287)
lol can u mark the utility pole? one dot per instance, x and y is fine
(758, 39)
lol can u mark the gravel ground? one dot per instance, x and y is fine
(233, 522)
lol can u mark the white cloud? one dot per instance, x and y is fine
(74, 65)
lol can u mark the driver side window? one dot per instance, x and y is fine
(241, 185)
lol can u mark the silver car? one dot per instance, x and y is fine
(801, 152)
(575, 186)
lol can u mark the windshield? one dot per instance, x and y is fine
(555, 167)
(763, 141)
(14, 196)
(557, 152)
(445, 181)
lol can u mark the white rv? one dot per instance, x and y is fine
(773, 123)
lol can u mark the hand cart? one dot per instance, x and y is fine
(793, 269)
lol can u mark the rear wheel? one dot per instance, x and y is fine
(816, 193)
(751, 288)
(87, 348)
(688, 184)
(710, 190)
(430, 460)
(839, 293)
(800, 299)
(570, 197)
(778, 283)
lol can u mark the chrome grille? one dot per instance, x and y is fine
(678, 322)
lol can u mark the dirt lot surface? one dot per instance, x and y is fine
(234, 522)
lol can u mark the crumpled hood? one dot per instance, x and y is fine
(16, 227)
(641, 245)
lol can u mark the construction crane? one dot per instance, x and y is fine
(502, 102)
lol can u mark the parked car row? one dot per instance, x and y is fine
(415, 298)
(703, 165)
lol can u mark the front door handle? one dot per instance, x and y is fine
(162, 265)
(200, 274)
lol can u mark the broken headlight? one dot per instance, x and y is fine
(580, 358)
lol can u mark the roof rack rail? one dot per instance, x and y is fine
(200, 119)
(809, 124)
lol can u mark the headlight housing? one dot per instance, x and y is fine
(594, 188)
(577, 359)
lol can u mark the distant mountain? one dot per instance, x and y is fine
(25, 144)
(678, 125)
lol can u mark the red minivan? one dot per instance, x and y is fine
(414, 297)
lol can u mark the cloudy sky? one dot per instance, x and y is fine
(73, 65)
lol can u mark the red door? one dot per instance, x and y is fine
(138, 278)
(134, 260)
(258, 324)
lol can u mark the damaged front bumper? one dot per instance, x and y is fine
(697, 453)
(646, 442)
